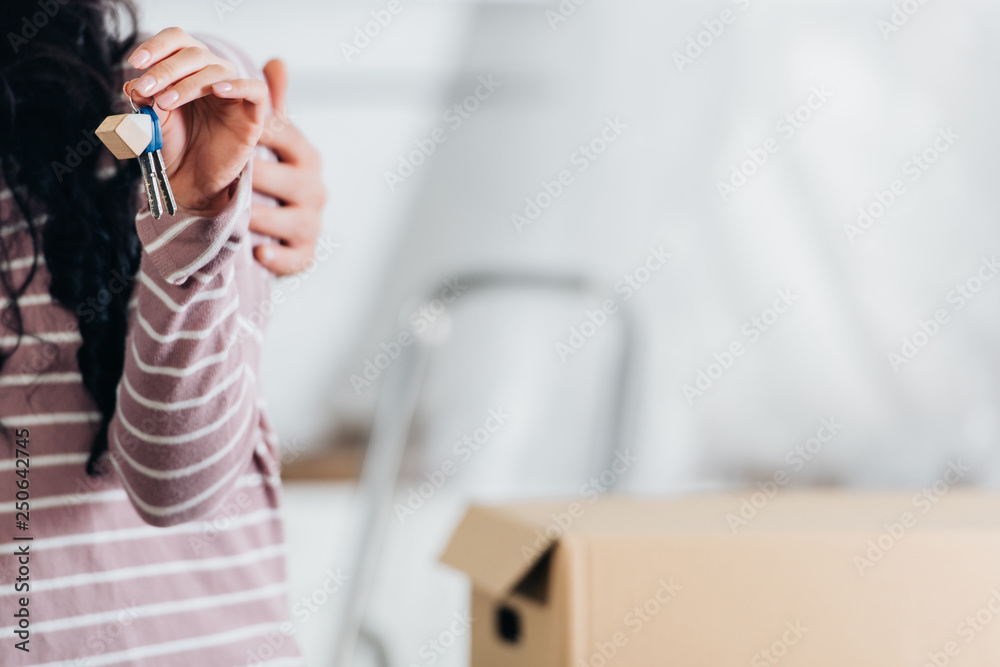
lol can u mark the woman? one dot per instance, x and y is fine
(140, 476)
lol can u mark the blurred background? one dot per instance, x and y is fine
(756, 235)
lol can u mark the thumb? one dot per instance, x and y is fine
(276, 75)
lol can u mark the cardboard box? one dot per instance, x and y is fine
(791, 579)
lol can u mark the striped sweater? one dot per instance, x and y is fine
(176, 556)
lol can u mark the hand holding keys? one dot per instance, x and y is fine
(138, 135)
(211, 122)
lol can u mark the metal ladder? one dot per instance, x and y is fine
(390, 430)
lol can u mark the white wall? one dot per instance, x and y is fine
(658, 185)
(826, 358)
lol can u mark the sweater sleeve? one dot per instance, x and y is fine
(183, 430)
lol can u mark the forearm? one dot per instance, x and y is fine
(184, 424)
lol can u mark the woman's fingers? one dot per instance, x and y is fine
(284, 223)
(276, 75)
(284, 260)
(281, 181)
(248, 90)
(181, 69)
(289, 183)
(192, 87)
(184, 63)
(289, 144)
(161, 45)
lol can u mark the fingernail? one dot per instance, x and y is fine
(145, 85)
(266, 253)
(139, 58)
(222, 87)
(168, 98)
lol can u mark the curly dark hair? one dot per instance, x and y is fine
(60, 76)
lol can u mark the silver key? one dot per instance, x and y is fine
(151, 181)
(158, 190)
(166, 192)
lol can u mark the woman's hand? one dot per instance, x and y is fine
(295, 182)
(211, 120)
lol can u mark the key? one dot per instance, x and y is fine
(168, 193)
(137, 135)
(152, 184)
(154, 172)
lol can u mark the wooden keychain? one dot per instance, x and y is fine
(138, 135)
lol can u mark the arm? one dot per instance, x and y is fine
(184, 424)
(184, 428)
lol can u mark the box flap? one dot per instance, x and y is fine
(496, 548)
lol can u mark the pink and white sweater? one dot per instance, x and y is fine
(177, 556)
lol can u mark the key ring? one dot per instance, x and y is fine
(157, 141)
(128, 94)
